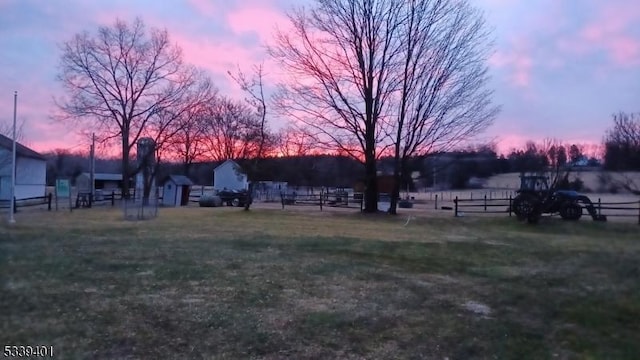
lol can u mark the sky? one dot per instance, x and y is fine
(560, 69)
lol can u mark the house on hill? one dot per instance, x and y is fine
(31, 171)
(230, 176)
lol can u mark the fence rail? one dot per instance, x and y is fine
(27, 202)
(324, 199)
(485, 205)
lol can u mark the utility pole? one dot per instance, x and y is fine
(12, 220)
(92, 169)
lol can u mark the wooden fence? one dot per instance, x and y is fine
(27, 202)
(486, 205)
(324, 199)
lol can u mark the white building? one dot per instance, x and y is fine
(31, 171)
(176, 190)
(229, 176)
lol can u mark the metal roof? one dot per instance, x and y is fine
(21, 150)
(104, 176)
(179, 180)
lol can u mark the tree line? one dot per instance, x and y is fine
(365, 79)
(377, 82)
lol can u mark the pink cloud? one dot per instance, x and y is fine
(609, 31)
(203, 7)
(259, 20)
(518, 63)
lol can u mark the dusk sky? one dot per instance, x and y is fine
(561, 67)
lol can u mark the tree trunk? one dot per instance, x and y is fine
(125, 167)
(371, 183)
(395, 195)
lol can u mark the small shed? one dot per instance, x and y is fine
(175, 190)
(229, 176)
(102, 181)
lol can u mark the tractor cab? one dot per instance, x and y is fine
(534, 183)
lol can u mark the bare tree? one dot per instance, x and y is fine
(339, 56)
(622, 149)
(443, 98)
(253, 86)
(188, 144)
(231, 130)
(168, 123)
(294, 142)
(120, 80)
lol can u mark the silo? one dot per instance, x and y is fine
(146, 160)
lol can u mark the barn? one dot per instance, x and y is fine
(176, 190)
(229, 176)
(102, 181)
(31, 171)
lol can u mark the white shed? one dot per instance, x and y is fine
(229, 175)
(31, 171)
(175, 190)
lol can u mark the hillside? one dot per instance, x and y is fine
(594, 181)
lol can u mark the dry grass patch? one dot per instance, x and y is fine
(223, 283)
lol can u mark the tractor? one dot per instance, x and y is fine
(535, 197)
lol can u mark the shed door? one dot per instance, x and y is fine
(185, 195)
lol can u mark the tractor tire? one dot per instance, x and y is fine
(235, 202)
(571, 211)
(524, 206)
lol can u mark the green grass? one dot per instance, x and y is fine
(222, 283)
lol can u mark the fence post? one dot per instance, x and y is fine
(471, 195)
(436, 201)
(49, 197)
(282, 199)
(455, 211)
(510, 204)
(113, 198)
(599, 207)
(321, 196)
(485, 202)
(638, 212)
(15, 205)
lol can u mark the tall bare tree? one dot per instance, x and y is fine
(622, 149)
(231, 130)
(339, 56)
(442, 98)
(253, 87)
(119, 80)
(168, 124)
(188, 144)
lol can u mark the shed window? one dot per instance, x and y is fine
(169, 187)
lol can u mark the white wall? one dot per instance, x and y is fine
(169, 194)
(225, 176)
(31, 178)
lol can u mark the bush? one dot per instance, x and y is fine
(405, 204)
(210, 201)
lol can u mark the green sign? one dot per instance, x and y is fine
(62, 188)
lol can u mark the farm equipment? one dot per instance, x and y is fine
(535, 197)
(233, 197)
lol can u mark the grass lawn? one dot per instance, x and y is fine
(222, 283)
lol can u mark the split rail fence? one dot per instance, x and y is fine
(485, 205)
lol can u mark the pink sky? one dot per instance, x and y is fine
(560, 68)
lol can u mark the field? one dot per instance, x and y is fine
(223, 283)
(594, 181)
